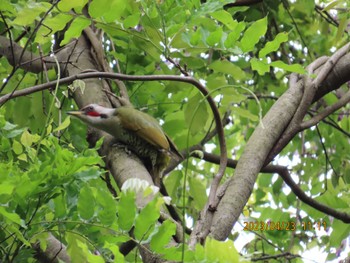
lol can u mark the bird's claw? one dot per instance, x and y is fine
(122, 146)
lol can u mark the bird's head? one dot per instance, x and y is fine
(93, 114)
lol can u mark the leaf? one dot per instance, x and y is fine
(132, 21)
(33, 10)
(297, 68)
(126, 210)
(75, 249)
(274, 44)
(6, 188)
(339, 233)
(245, 113)
(227, 67)
(233, 36)
(18, 234)
(52, 25)
(332, 4)
(343, 23)
(116, 11)
(26, 139)
(118, 257)
(147, 218)
(99, 7)
(260, 65)
(17, 148)
(214, 37)
(67, 5)
(219, 251)
(107, 213)
(12, 217)
(163, 236)
(14, 133)
(86, 203)
(75, 29)
(60, 206)
(198, 192)
(196, 114)
(253, 34)
(225, 18)
(63, 125)
(9, 126)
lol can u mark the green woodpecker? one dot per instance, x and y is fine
(140, 132)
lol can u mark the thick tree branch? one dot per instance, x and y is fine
(285, 175)
(30, 62)
(264, 138)
(55, 251)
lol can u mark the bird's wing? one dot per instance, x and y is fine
(144, 125)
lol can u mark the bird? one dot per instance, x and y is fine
(138, 131)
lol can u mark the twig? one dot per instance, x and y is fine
(326, 112)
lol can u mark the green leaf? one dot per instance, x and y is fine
(227, 67)
(118, 257)
(297, 68)
(218, 251)
(126, 210)
(86, 203)
(245, 113)
(11, 228)
(253, 34)
(63, 125)
(147, 219)
(60, 206)
(99, 7)
(75, 248)
(260, 65)
(198, 192)
(132, 21)
(163, 236)
(339, 233)
(67, 5)
(107, 213)
(196, 113)
(225, 18)
(116, 10)
(12, 217)
(7, 6)
(52, 25)
(343, 23)
(17, 148)
(75, 29)
(332, 4)
(233, 36)
(6, 188)
(32, 11)
(274, 44)
(214, 37)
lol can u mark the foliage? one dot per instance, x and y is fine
(51, 181)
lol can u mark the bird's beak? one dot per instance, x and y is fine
(75, 113)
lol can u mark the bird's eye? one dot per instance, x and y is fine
(90, 108)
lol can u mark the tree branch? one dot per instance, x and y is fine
(285, 175)
(258, 150)
(326, 112)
